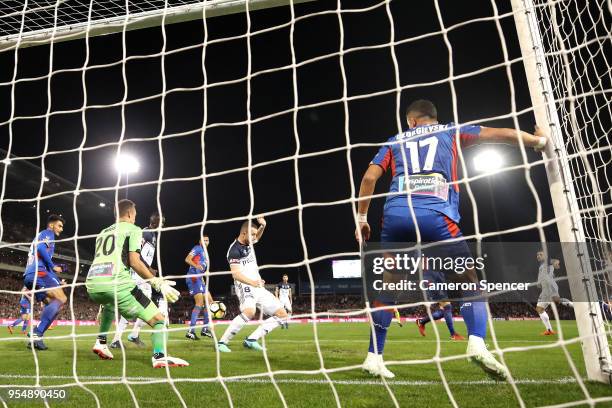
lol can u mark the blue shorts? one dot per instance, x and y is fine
(195, 285)
(24, 310)
(398, 226)
(48, 281)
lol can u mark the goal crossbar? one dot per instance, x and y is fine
(132, 21)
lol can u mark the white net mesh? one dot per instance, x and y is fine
(578, 57)
(277, 113)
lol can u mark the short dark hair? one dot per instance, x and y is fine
(54, 218)
(284, 274)
(123, 206)
(245, 225)
(422, 108)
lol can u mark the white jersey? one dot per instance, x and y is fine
(284, 289)
(243, 255)
(147, 252)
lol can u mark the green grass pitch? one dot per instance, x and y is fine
(543, 375)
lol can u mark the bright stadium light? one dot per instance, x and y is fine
(126, 164)
(488, 161)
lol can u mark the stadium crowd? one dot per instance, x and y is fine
(85, 309)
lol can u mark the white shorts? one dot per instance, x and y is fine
(286, 303)
(163, 307)
(251, 297)
(145, 287)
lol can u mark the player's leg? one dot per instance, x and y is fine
(56, 298)
(106, 316)
(26, 322)
(435, 313)
(289, 309)
(444, 310)
(541, 310)
(121, 326)
(473, 307)
(447, 307)
(396, 228)
(606, 311)
(208, 299)
(562, 301)
(134, 336)
(135, 304)
(247, 312)
(162, 305)
(195, 313)
(15, 323)
(272, 307)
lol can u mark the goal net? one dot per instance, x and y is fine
(273, 108)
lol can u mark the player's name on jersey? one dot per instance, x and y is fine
(483, 285)
(421, 130)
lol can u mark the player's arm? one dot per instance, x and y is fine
(237, 274)
(138, 266)
(41, 249)
(290, 297)
(189, 261)
(276, 291)
(262, 226)
(537, 140)
(366, 189)
(24, 292)
(159, 284)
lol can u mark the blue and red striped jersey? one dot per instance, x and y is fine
(423, 160)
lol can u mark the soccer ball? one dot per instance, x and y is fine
(217, 310)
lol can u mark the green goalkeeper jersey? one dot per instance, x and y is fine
(110, 268)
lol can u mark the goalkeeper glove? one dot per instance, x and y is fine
(166, 289)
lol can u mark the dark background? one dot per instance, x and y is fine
(207, 126)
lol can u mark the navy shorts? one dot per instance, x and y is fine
(434, 226)
(195, 285)
(48, 280)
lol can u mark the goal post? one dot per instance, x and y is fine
(567, 211)
(109, 21)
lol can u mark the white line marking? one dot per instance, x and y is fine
(92, 339)
(564, 380)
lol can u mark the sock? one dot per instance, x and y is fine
(26, 323)
(195, 313)
(47, 316)
(381, 320)
(436, 314)
(120, 329)
(106, 321)
(16, 322)
(158, 338)
(266, 327)
(206, 318)
(235, 326)
(567, 302)
(474, 314)
(546, 320)
(448, 317)
(136, 329)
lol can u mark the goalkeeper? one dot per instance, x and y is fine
(110, 284)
